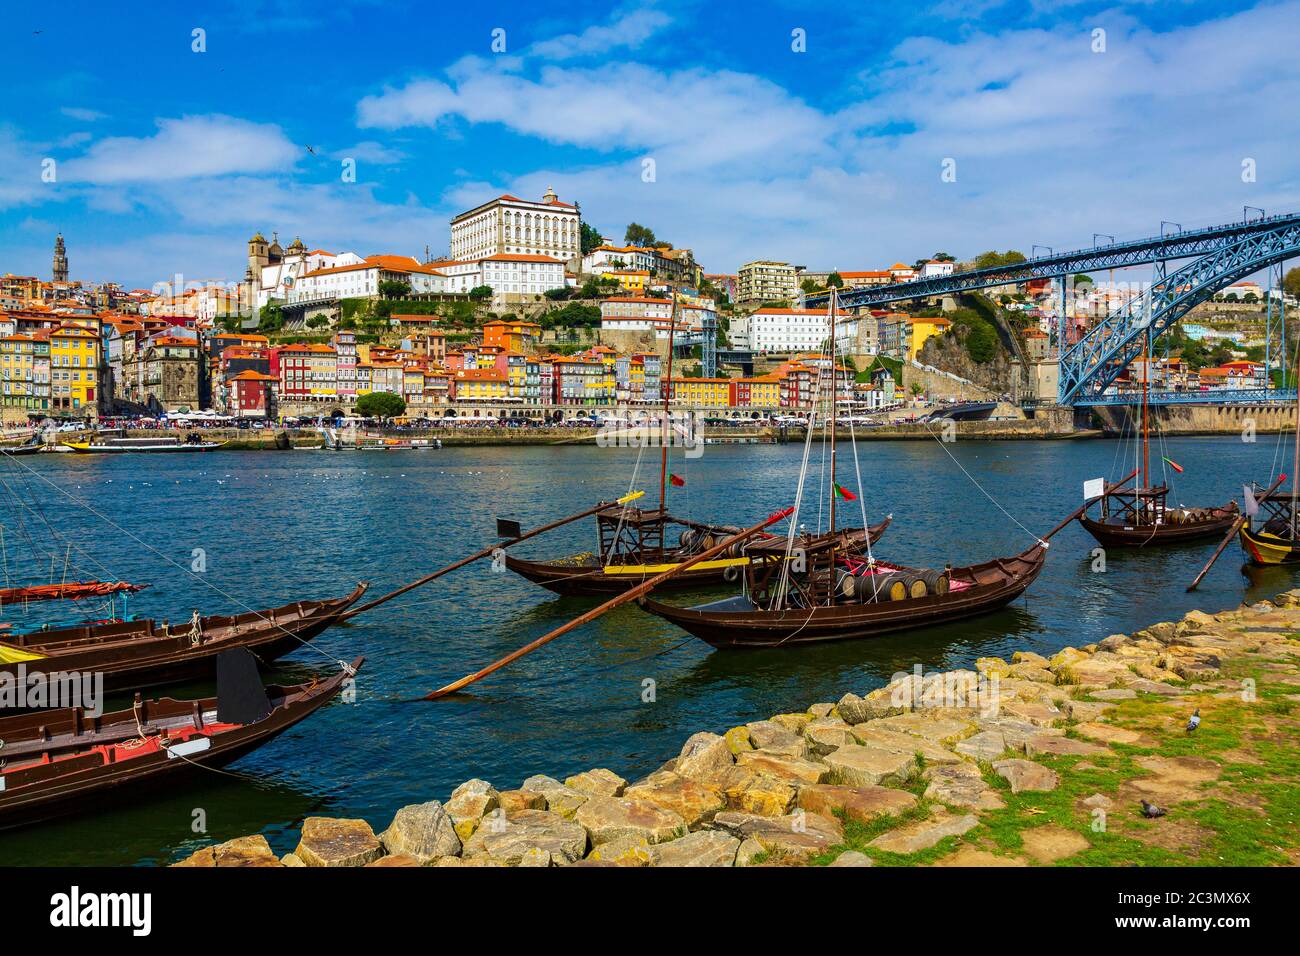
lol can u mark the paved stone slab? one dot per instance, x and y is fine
(858, 766)
(923, 834)
(1025, 775)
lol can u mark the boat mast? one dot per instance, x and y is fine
(1146, 449)
(1295, 460)
(833, 420)
(663, 429)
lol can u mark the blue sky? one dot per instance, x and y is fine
(167, 159)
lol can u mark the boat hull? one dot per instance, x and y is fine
(66, 793)
(729, 625)
(1113, 534)
(570, 580)
(1267, 550)
(138, 654)
(86, 448)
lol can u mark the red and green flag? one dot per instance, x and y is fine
(1173, 464)
(842, 492)
(677, 480)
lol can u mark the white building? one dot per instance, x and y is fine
(514, 277)
(936, 269)
(798, 330)
(614, 258)
(357, 278)
(509, 225)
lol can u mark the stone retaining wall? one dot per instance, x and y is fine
(1030, 761)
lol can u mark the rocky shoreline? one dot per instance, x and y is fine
(1032, 761)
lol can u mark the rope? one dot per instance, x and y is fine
(996, 504)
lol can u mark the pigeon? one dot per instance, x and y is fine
(311, 150)
(1194, 721)
(1151, 811)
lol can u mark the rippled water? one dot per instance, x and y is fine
(280, 526)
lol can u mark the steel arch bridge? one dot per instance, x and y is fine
(1092, 364)
(1221, 255)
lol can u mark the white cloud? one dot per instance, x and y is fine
(82, 114)
(628, 29)
(185, 148)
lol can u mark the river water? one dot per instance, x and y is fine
(275, 527)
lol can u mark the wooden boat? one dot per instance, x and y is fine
(162, 443)
(835, 591)
(136, 654)
(67, 591)
(30, 448)
(1142, 517)
(63, 761)
(632, 542)
(1273, 536)
(857, 606)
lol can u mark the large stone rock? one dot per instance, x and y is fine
(1085, 710)
(799, 835)
(873, 735)
(863, 804)
(329, 842)
(559, 799)
(1036, 712)
(750, 792)
(241, 851)
(930, 726)
(597, 783)
(400, 860)
(923, 834)
(706, 848)
(795, 723)
(424, 832)
(469, 803)
(694, 801)
(766, 735)
(1026, 775)
(609, 818)
(737, 739)
(704, 755)
(961, 785)
(826, 734)
(623, 851)
(986, 745)
(521, 800)
(1015, 732)
(858, 766)
(507, 841)
(782, 767)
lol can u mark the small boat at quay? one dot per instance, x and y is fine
(144, 653)
(65, 761)
(1142, 517)
(162, 443)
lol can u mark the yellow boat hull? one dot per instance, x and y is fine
(1268, 549)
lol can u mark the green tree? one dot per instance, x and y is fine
(381, 405)
(317, 321)
(808, 285)
(394, 289)
(270, 319)
(1082, 279)
(1291, 282)
(589, 237)
(639, 235)
(834, 280)
(480, 293)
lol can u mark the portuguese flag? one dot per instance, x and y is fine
(1173, 464)
(677, 480)
(842, 492)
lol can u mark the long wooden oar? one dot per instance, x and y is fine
(1232, 533)
(612, 603)
(486, 552)
(1089, 503)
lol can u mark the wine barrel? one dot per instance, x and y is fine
(916, 586)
